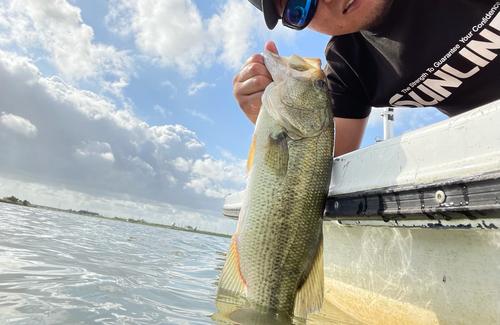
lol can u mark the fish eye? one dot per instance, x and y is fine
(320, 84)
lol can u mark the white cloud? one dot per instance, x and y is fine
(182, 164)
(220, 170)
(86, 144)
(56, 28)
(97, 149)
(176, 137)
(170, 31)
(226, 154)
(236, 25)
(171, 86)
(144, 167)
(161, 110)
(205, 186)
(199, 115)
(19, 125)
(174, 33)
(195, 87)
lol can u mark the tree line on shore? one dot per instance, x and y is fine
(14, 200)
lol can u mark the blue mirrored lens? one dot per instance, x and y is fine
(296, 12)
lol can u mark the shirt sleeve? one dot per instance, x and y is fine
(348, 96)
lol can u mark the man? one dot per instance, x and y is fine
(413, 53)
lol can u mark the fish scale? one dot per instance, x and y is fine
(277, 247)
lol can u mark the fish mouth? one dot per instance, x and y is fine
(282, 66)
(276, 66)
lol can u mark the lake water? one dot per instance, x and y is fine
(61, 268)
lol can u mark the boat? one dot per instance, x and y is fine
(412, 225)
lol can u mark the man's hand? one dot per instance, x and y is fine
(250, 82)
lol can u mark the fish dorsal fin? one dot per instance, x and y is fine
(251, 154)
(230, 278)
(309, 298)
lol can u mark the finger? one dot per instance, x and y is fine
(251, 86)
(252, 67)
(271, 46)
(253, 70)
(255, 58)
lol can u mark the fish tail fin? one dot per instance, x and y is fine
(231, 279)
(309, 298)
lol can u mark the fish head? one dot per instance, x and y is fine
(298, 98)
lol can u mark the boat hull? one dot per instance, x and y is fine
(413, 275)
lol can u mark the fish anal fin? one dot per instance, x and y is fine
(309, 298)
(277, 153)
(230, 278)
(251, 154)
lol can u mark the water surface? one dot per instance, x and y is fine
(61, 268)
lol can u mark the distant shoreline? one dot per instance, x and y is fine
(96, 215)
(164, 226)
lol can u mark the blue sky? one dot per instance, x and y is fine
(125, 107)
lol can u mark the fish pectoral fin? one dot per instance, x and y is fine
(277, 153)
(251, 154)
(230, 278)
(309, 298)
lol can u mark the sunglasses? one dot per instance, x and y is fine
(299, 13)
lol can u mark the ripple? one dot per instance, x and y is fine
(59, 268)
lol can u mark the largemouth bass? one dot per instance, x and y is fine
(275, 259)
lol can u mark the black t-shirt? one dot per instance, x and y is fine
(439, 53)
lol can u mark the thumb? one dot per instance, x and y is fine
(271, 46)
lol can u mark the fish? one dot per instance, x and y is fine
(275, 259)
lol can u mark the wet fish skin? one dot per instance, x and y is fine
(275, 258)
